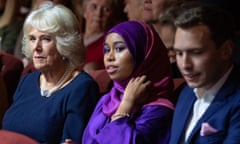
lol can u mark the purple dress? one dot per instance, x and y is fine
(150, 125)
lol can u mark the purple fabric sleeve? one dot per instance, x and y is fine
(150, 125)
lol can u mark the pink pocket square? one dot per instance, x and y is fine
(207, 129)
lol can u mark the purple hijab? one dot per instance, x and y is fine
(150, 56)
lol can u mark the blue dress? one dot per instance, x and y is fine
(61, 116)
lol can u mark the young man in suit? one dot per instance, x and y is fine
(208, 108)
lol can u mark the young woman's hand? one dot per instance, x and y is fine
(137, 90)
(136, 94)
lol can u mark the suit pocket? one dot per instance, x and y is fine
(215, 138)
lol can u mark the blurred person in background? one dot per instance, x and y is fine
(166, 29)
(153, 9)
(99, 16)
(133, 9)
(10, 25)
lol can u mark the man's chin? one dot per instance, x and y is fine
(193, 84)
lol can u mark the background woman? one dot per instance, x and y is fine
(99, 16)
(10, 25)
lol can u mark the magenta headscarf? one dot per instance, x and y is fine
(151, 59)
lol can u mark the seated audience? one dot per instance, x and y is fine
(10, 25)
(166, 30)
(138, 109)
(54, 102)
(99, 16)
(133, 9)
(28, 6)
(208, 108)
(153, 9)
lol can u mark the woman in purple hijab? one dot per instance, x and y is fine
(138, 109)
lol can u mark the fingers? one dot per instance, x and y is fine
(141, 80)
(137, 90)
(68, 141)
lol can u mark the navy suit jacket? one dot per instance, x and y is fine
(223, 114)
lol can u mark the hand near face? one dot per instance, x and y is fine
(136, 92)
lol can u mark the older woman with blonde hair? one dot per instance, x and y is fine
(53, 103)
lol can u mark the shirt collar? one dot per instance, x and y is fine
(209, 95)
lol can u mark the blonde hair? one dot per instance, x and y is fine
(61, 23)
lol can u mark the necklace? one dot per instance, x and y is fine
(48, 92)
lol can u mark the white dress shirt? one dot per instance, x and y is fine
(203, 102)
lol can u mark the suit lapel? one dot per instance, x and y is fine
(219, 101)
(184, 112)
(215, 106)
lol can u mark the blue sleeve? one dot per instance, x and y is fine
(80, 106)
(233, 134)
